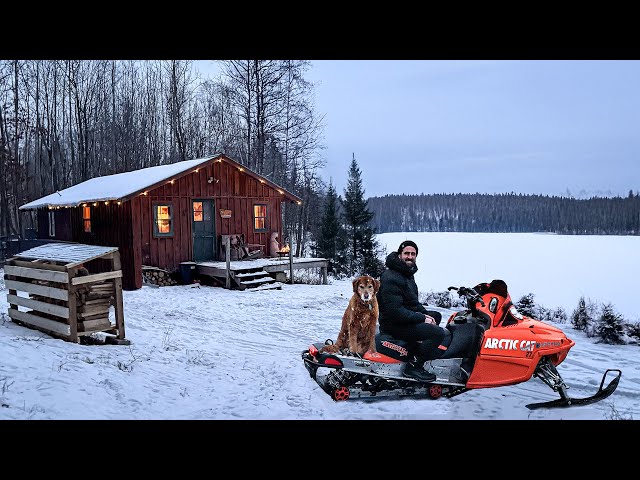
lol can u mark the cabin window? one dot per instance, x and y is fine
(197, 212)
(162, 220)
(259, 217)
(86, 219)
(52, 223)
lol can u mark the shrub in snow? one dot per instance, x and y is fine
(633, 331)
(610, 326)
(581, 317)
(559, 315)
(526, 305)
(444, 299)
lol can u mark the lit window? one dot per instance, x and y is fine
(259, 217)
(86, 219)
(52, 224)
(197, 212)
(162, 220)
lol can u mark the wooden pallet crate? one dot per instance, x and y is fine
(59, 296)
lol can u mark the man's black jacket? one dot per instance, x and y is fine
(398, 294)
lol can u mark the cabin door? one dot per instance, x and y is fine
(203, 228)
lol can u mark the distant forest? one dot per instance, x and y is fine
(506, 213)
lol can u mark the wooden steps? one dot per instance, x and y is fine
(254, 279)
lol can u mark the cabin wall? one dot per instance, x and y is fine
(230, 189)
(62, 219)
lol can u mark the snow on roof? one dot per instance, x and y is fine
(114, 187)
(70, 253)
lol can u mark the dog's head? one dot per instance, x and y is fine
(366, 287)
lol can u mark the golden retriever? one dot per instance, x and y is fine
(358, 330)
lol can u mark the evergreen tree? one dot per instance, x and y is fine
(371, 255)
(526, 305)
(341, 264)
(362, 245)
(329, 228)
(580, 318)
(610, 326)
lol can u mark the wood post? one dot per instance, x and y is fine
(290, 260)
(227, 248)
(117, 284)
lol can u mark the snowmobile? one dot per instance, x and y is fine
(488, 344)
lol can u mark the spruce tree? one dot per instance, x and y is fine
(526, 305)
(329, 228)
(362, 246)
(580, 318)
(610, 325)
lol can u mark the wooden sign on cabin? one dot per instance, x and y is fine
(225, 213)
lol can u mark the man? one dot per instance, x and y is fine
(401, 313)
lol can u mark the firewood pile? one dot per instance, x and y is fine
(157, 276)
(92, 305)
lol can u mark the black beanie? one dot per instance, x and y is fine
(407, 243)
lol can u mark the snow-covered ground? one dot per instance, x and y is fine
(202, 352)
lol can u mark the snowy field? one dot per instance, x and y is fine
(201, 352)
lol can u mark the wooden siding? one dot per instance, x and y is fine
(231, 189)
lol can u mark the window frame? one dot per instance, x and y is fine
(156, 230)
(52, 223)
(86, 221)
(255, 217)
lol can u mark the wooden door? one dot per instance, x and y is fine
(203, 228)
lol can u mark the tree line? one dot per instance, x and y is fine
(508, 213)
(65, 121)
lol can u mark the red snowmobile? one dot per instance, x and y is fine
(489, 344)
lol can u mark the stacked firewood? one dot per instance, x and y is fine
(156, 276)
(92, 306)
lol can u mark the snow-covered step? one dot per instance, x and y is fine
(268, 286)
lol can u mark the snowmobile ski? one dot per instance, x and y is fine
(566, 401)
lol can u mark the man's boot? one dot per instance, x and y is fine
(415, 370)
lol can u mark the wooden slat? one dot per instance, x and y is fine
(57, 310)
(73, 316)
(98, 277)
(38, 264)
(43, 290)
(52, 276)
(36, 321)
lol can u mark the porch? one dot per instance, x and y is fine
(260, 273)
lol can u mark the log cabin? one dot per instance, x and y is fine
(168, 214)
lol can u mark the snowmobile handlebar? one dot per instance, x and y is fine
(469, 293)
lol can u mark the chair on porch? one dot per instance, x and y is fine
(238, 249)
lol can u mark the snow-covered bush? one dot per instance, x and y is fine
(444, 299)
(526, 306)
(610, 325)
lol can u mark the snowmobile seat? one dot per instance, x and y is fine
(392, 347)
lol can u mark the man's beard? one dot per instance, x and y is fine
(410, 262)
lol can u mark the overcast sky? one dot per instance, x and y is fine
(448, 126)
